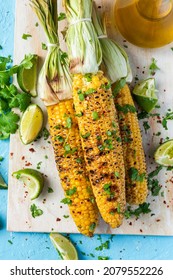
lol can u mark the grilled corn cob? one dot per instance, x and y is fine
(70, 163)
(135, 166)
(101, 142)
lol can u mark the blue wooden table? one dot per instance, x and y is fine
(35, 246)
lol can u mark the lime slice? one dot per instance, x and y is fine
(27, 75)
(145, 96)
(65, 248)
(31, 124)
(164, 154)
(3, 185)
(33, 179)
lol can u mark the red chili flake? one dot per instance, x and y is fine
(130, 224)
(158, 220)
(143, 72)
(23, 158)
(141, 230)
(28, 164)
(58, 219)
(11, 154)
(164, 201)
(32, 150)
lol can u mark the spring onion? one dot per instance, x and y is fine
(85, 53)
(54, 81)
(115, 60)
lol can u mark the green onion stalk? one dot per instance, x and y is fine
(115, 60)
(54, 81)
(85, 53)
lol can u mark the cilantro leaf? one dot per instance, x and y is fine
(142, 209)
(153, 66)
(35, 211)
(8, 124)
(169, 116)
(61, 16)
(26, 36)
(118, 86)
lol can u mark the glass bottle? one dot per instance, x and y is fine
(145, 23)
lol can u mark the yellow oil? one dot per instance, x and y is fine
(148, 27)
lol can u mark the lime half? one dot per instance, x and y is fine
(31, 124)
(27, 75)
(164, 154)
(33, 179)
(145, 94)
(3, 185)
(65, 248)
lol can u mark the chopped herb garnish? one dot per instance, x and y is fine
(88, 77)
(92, 226)
(107, 188)
(35, 211)
(90, 91)
(117, 174)
(142, 209)
(103, 246)
(45, 133)
(71, 191)
(81, 97)
(106, 86)
(101, 258)
(66, 216)
(126, 108)
(9, 241)
(86, 135)
(66, 200)
(146, 126)
(155, 172)
(44, 46)
(39, 164)
(69, 122)
(95, 116)
(61, 16)
(169, 116)
(79, 160)
(154, 186)
(26, 36)
(59, 138)
(79, 115)
(50, 190)
(69, 150)
(1, 158)
(118, 86)
(135, 176)
(153, 66)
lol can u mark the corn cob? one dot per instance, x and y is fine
(70, 163)
(135, 166)
(101, 142)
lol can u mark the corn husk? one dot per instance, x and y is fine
(115, 60)
(54, 81)
(84, 47)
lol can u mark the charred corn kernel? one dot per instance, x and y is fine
(70, 163)
(134, 158)
(101, 144)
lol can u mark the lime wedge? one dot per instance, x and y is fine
(33, 179)
(3, 185)
(164, 154)
(27, 75)
(65, 248)
(145, 96)
(31, 124)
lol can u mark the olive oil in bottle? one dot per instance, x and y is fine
(145, 23)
